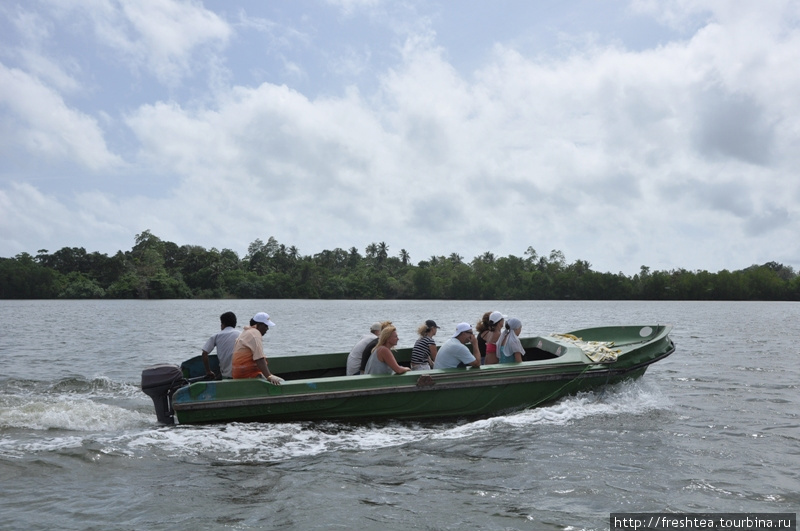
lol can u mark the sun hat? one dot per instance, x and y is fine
(461, 328)
(496, 317)
(262, 317)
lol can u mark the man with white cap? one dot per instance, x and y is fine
(249, 360)
(454, 352)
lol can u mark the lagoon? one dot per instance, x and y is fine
(713, 428)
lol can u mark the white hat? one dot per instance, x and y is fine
(376, 327)
(496, 317)
(262, 317)
(461, 328)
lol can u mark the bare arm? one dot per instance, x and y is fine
(264, 368)
(385, 355)
(433, 350)
(207, 365)
(475, 352)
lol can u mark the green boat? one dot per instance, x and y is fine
(316, 387)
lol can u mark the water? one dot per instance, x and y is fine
(714, 427)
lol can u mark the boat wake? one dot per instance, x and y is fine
(240, 442)
(39, 416)
(75, 415)
(67, 413)
(632, 397)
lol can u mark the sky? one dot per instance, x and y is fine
(663, 134)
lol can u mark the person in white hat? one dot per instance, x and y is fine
(489, 328)
(249, 360)
(454, 353)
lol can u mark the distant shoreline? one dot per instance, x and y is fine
(157, 269)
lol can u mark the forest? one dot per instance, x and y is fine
(158, 269)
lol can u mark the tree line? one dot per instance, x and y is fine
(158, 269)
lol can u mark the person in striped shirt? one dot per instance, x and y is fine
(424, 352)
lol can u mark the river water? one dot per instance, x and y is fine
(712, 428)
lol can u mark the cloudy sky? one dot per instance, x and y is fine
(623, 133)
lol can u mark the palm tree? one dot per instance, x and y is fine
(383, 252)
(404, 256)
(353, 258)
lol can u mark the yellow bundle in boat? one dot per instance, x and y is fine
(597, 351)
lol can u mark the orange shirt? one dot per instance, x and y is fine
(246, 351)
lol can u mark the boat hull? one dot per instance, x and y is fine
(315, 390)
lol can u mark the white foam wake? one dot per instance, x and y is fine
(278, 442)
(127, 432)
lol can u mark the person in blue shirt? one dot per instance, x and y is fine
(454, 352)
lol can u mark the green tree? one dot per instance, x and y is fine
(79, 286)
(22, 278)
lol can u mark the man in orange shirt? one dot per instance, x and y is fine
(249, 360)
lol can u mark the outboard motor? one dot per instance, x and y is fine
(160, 382)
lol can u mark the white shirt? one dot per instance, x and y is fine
(354, 358)
(224, 341)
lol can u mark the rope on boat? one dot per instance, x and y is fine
(597, 351)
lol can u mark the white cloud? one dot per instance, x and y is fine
(168, 33)
(46, 126)
(166, 38)
(29, 217)
(349, 6)
(682, 155)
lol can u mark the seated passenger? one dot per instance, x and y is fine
(354, 358)
(509, 348)
(424, 351)
(223, 341)
(454, 353)
(249, 360)
(366, 354)
(489, 328)
(382, 360)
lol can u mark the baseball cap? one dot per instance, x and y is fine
(495, 317)
(262, 317)
(461, 328)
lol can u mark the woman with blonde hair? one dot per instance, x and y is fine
(382, 360)
(424, 352)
